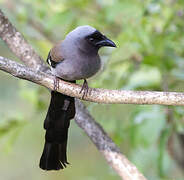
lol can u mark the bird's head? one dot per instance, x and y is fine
(88, 38)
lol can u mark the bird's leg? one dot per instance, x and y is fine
(56, 83)
(84, 89)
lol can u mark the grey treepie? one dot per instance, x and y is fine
(75, 58)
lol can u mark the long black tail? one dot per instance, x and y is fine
(61, 110)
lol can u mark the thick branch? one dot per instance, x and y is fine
(94, 95)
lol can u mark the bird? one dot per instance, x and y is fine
(74, 58)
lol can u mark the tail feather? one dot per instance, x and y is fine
(50, 157)
(61, 110)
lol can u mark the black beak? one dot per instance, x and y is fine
(105, 42)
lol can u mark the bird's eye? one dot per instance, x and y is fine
(91, 39)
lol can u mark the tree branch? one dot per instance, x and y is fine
(95, 95)
(106, 146)
(27, 55)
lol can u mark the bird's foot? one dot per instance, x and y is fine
(84, 89)
(56, 83)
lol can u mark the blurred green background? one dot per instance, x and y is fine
(150, 56)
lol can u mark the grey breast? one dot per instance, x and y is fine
(78, 66)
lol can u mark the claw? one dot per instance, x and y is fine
(84, 89)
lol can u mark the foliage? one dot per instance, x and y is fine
(149, 36)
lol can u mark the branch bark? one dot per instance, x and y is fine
(16, 42)
(95, 95)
